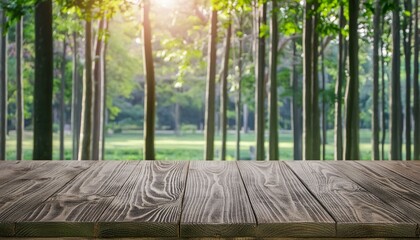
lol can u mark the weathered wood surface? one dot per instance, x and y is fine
(393, 189)
(358, 213)
(149, 203)
(240, 200)
(215, 202)
(282, 204)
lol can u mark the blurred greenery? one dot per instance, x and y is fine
(127, 145)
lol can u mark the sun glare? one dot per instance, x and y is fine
(166, 3)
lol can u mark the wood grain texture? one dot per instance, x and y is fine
(73, 210)
(23, 194)
(400, 193)
(215, 202)
(149, 204)
(13, 169)
(406, 169)
(357, 212)
(282, 204)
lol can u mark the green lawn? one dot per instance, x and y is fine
(188, 146)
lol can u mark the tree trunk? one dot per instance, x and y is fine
(150, 99)
(351, 144)
(86, 119)
(19, 90)
(311, 129)
(224, 93)
(75, 110)
(104, 93)
(3, 88)
(395, 102)
(245, 117)
(98, 94)
(296, 110)
(238, 101)
(383, 114)
(416, 155)
(273, 153)
(62, 105)
(211, 90)
(338, 125)
(324, 121)
(43, 87)
(407, 54)
(375, 94)
(260, 87)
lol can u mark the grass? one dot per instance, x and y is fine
(188, 146)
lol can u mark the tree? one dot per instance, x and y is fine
(351, 144)
(407, 22)
(311, 129)
(375, 93)
(150, 99)
(416, 83)
(62, 92)
(19, 89)
(3, 87)
(98, 93)
(260, 85)
(296, 110)
(43, 81)
(210, 89)
(395, 101)
(342, 51)
(86, 118)
(273, 153)
(224, 92)
(76, 99)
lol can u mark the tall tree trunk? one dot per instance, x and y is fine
(19, 90)
(62, 105)
(375, 94)
(86, 118)
(351, 144)
(260, 86)
(150, 98)
(224, 93)
(396, 109)
(273, 153)
(3, 88)
(98, 93)
(416, 155)
(383, 100)
(104, 93)
(407, 54)
(211, 90)
(238, 101)
(324, 121)
(338, 123)
(43, 91)
(75, 110)
(311, 129)
(296, 110)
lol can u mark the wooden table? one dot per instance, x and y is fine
(170, 199)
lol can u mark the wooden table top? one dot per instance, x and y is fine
(171, 199)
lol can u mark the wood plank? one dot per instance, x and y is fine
(282, 204)
(357, 212)
(402, 194)
(149, 204)
(404, 168)
(12, 169)
(215, 202)
(25, 193)
(72, 211)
